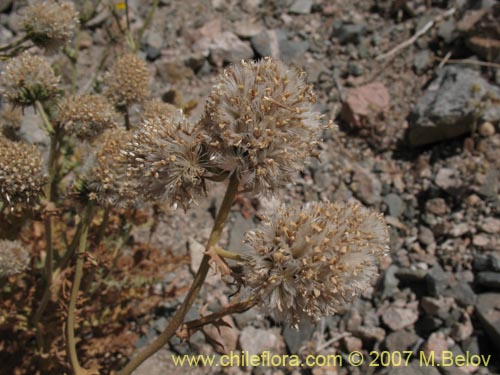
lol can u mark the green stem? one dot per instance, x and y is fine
(227, 254)
(70, 322)
(199, 278)
(146, 24)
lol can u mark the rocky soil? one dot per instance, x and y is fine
(418, 139)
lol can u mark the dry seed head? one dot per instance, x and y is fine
(86, 116)
(308, 262)
(14, 258)
(105, 179)
(28, 78)
(156, 109)
(50, 24)
(21, 174)
(261, 123)
(11, 120)
(128, 81)
(166, 157)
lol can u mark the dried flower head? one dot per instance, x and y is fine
(11, 120)
(50, 24)
(21, 174)
(105, 179)
(261, 123)
(155, 109)
(166, 157)
(14, 258)
(128, 81)
(308, 262)
(28, 78)
(86, 116)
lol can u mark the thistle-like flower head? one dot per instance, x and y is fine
(128, 81)
(14, 258)
(105, 179)
(155, 109)
(28, 78)
(261, 123)
(50, 24)
(309, 261)
(21, 174)
(86, 116)
(166, 158)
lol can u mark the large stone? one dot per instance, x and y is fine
(397, 318)
(451, 106)
(255, 341)
(276, 43)
(488, 311)
(228, 48)
(364, 103)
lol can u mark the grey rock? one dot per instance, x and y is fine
(425, 236)
(354, 69)
(488, 279)
(488, 311)
(447, 178)
(296, 338)
(366, 186)
(422, 60)
(389, 282)
(301, 7)
(153, 45)
(449, 106)
(276, 43)
(428, 324)
(437, 280)
(395, 204)
(349, 32)
(397, 318)
(486, 262)
(246, 318)
(228, 48)
(239, 227)
(370, 333)
(247, 29)
(255, 340)
(463, 293)
(400, 340)
(448, 31)
(160, 324)
(410, 275)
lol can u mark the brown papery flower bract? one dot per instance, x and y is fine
(307, 262)
(28, 78)
(14, 258)
(105, 179)
(86, 116)
(50, 24)
(21, 174)
(128, 81)
(166, 157)
(261, 123)
(156, 109)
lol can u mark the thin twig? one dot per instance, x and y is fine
(417, 35)
(471, 62)
(70, 322)
(444, 60)
(199, 278)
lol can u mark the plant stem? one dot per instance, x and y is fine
(127, 118)
(146, 24)
(70, 322)
(234, 308)
(199, 278)
(227, 254)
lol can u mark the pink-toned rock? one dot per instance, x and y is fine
(364, 102)
(437, 344)
(352, 343)
(397, 318)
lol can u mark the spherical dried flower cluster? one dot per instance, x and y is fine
(105, 178)
(50, 24)
(14, 258)
(261, 123)
(86, 116)
(155, 109)
(28, 78)
(167, 159)
(21, 174)
(308, 262)
(128, 81)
